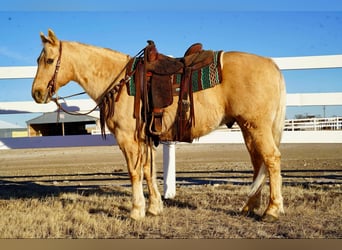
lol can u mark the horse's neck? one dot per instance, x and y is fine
(95, 68)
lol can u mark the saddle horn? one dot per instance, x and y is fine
(151, 51)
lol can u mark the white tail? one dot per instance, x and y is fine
(259, 181)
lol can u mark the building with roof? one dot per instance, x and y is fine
(52, 123)
(8, 129)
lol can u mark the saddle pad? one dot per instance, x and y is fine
(130, 68)
(201, 79)
(206, 77)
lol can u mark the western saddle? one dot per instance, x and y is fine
(154, 79)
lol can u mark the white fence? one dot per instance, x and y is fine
(330, 123)
(295, 131)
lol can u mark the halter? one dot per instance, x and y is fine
(51, 87)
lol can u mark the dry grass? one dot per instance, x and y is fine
(62, 198)
(209, 211)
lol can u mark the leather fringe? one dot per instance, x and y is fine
(107, 108)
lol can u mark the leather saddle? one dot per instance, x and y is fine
(155, 84)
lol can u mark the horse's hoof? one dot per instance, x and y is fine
(137, 214)
(269, 218)
(155, 210)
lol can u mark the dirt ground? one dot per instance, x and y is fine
(85, 167)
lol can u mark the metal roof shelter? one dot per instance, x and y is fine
(49, 124)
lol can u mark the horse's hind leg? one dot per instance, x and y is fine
(263, 140)
(271, 155)
(155, 202)
(254, 198)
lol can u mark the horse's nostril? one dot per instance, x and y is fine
(37, 96)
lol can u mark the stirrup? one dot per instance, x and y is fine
(150, 127)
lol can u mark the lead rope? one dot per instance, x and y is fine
(60, 107)
(117, 89)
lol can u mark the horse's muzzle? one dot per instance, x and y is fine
(39, 97)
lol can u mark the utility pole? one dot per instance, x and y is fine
(63, 130)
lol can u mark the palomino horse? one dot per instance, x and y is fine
(252, 94)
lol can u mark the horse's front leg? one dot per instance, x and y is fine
(155, 204)
(133, 157)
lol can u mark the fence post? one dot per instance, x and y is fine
(169, 166)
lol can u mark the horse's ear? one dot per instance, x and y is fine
(51, 38)
(44, 38)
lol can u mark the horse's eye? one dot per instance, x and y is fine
(49, 61)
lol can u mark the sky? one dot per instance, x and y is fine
(268, 28)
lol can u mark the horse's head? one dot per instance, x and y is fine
(51, 72)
